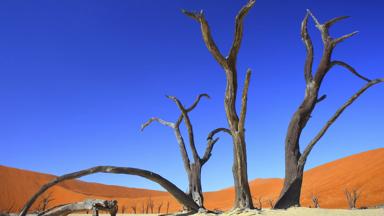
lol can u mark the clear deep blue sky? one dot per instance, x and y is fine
(78, 78)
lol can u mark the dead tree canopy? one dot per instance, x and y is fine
(193, 169)
(92, 204)
(236, 123)
(167, 185)
(294, 159)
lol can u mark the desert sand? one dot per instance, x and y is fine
(289, 212)
(363, 171)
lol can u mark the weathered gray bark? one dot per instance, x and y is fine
(193, 169)
(167, 185)
(92, 204)
(294, 159)
(243, 197)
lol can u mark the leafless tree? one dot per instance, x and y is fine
(294, 159)
(134, 208)
(43, 204)
(180, 196)
(315, 200)
(168, 204)
(193, 169)
(123, 208)
(352, 196)
(150, 205)
(243, 197)
(159, 207)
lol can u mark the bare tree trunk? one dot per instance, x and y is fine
(169, 186)
(243, 197)
(193, 169)
(294, 159)
(63, 210)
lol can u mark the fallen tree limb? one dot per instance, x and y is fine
(180, 196)
(92, 204)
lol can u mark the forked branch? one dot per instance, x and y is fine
(207, 36)
(239, 30)
(313, 142)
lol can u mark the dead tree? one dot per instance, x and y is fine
(193, 169)
(43, 204)
(94, 205)
(167, 185)
(352, 196)
(315, 200)
(134, 208)
(159, 208)
(294, 159)
(123, 208)
(168, 204)
(243, 197)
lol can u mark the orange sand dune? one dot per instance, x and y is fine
(364, 171)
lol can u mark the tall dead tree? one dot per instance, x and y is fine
(193, 169)
(167, 185)
(243, 197)
(294, 159)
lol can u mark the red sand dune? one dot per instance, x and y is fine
(364, 171)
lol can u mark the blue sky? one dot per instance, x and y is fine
(78, 78)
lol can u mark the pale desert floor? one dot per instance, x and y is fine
(289, 212)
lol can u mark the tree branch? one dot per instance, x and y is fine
(207, 36)
(211, 142)
(313, 142)
(188, 124)
(342, 38)
(244, 99)
(329, 23)
(321, 98)
(169, 186)
(189, 109)
(90, 204)
(309, 47)
(161, 121)
(239, 30)
(350, 68)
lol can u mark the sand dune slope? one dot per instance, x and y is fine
(364, 171)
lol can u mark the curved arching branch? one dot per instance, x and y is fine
(239, 30)
(350, 68)
(167, 185)
(313, 142)
(90, 204)
(211, 142)
(189, 109)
